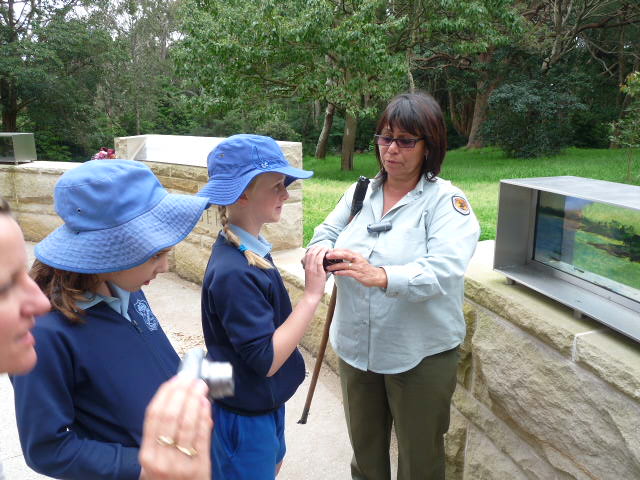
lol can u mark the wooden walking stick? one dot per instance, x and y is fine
(356, 206)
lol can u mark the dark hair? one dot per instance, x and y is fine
(63, 288)
(418, 114)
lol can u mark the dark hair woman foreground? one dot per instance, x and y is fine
(398, 321)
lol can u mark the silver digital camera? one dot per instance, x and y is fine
(217, 375)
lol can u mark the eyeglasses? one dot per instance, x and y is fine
(401, 142)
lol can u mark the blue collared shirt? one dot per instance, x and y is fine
(119, 303)
(256, 244)
(425, 254)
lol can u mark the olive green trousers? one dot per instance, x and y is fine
(416, 403)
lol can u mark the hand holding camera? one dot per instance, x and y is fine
(177, 427)
(326, 262)
(217, 375)
(176, 438)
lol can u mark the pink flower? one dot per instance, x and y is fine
(104, 153)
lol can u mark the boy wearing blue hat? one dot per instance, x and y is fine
(102, 353)
(246, 312)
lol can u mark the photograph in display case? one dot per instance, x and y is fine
(593, 241)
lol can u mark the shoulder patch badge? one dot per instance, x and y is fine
(460, 205)
(147, 315)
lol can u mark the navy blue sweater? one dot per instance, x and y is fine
(241, 308)
(80, 411)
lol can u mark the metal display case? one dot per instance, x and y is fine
(17, 147)
(577, 241)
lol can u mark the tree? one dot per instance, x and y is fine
(138, 82)
(40, 42)
(548, 29)
(626, 131)
(567, 24)
(456, 42)
(58, 105)
(245, 53)
(530, 118)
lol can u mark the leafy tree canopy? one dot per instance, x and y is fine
(241, 51)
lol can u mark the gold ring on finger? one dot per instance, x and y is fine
(189, 452)
(165, 440)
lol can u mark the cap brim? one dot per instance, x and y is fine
(226, 191)
(125, 246)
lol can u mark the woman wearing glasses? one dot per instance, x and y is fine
(398, 321)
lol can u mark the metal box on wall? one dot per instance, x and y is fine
(577, 241)
(17, 147)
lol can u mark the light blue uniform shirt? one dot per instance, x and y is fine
(256, 244)
(425, 254)
(119, 303)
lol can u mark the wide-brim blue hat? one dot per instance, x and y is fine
(116, 216)
(237, 160)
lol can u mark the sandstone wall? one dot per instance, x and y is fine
(541, 395)
(29, 189)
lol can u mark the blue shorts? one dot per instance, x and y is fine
(247, 448)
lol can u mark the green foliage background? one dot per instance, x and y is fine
(80, 72)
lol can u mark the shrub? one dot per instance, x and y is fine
(278, 129)
(591, 128)
(51, 148)
(530, 118)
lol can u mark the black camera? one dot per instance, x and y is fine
(330, 261)
(217, 375)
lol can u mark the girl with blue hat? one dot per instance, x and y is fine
(102, 353)
(246, 312)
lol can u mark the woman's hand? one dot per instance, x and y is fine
(176, 440)
(357, 267)
(315, 276)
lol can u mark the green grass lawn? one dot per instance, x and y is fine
(592, 259)
(476, 172)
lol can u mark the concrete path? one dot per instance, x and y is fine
(319, 450)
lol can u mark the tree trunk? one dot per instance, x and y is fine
(410, 80)
(9, 121)
(323, 139)
(9, 101)
(317, 107)
(483, 92)
(461, 113)
(348, 140)
(137, 108)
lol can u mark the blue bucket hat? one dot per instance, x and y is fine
(237, 160)
(116, 216)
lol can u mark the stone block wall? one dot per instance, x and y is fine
(29, 189)
(541, 395)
